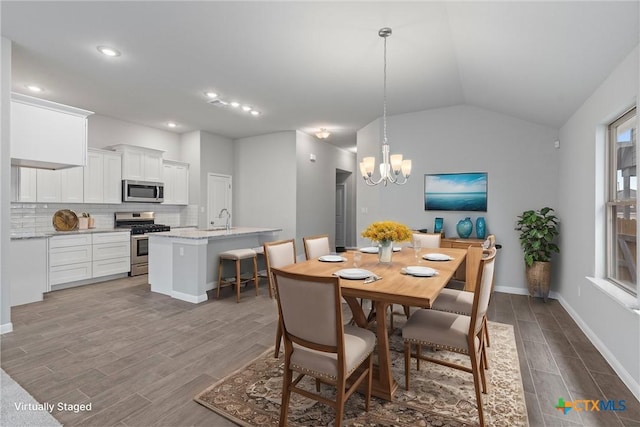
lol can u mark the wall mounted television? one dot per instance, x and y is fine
(455, 192)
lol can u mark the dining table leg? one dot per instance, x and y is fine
(384, 385)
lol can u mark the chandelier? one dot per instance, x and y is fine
(393, 168)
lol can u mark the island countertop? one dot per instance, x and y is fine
(213, 233)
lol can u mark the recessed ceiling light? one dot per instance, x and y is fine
(108, 51)
(255, 113)
(246, 108)
(235, 104)
(172, 125)
(211, 94)
(34, 88)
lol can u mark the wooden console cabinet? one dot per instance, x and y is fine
(464, 274)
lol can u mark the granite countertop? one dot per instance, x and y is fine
(41, 235)
(213, 233)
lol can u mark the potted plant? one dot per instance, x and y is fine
(538, 229)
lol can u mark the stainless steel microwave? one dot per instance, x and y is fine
(142, 191)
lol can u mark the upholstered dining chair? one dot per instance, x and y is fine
(278, 254)
(428, 240)
(316, 246)
(461, 302)
(454, 332)
(317, 344)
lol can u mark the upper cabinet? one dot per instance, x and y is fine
(176, 183)
(46, 134)
(60, 186)
(103, 177)
(140, 163)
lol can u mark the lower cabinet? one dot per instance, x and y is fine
(28, 261)
(69, 258)
(80, 257)
(111, 253)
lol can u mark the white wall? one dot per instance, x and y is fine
(216, 156)
(5, 186)
(519, 157)
(104, 131)
(316, 191)
(264, 182)
(614, 329)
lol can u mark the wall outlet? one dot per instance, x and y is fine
(578, 290)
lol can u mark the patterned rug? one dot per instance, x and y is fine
(439, 396)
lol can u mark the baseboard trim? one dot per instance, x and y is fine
(195, 299)
(626, 378)
(6, 328)
(521, 291)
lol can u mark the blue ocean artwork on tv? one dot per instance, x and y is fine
(456, 192)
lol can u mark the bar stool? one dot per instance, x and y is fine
(237, 255)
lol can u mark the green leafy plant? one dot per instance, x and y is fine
(537, 230)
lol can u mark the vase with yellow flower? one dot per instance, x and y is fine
(385, 233)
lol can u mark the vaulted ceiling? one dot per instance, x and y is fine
(307, 65)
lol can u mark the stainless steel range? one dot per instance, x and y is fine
(140, 224)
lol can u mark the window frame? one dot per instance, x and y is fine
(613, 203)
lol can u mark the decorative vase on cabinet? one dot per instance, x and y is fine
(481, 229)
(464, 228)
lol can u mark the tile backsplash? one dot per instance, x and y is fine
(37, 217)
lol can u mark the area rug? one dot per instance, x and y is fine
(439, 396)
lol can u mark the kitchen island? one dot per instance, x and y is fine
(184, 263)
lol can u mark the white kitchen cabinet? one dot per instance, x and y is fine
(111, 253)
(69, 258)
(176, 183)
(71, 185)
(60, 186)
(23, 184)
(28, 260)
(46, 134)
(103, 177)
(140, 163)
(48, 186)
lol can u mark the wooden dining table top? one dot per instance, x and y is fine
(394, 287)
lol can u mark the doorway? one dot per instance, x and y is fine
(341, 216)
(218, 198)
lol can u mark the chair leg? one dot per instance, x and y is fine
(369, 383)
(278, 339)
(486, 331)
(418, 354)
(407, 363)
(220, 267)
(286, 395)
(340, 403)
(477, 372)
(238, 280)
(255, 273)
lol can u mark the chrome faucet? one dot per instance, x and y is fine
(227, 225)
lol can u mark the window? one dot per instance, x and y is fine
(621, 206)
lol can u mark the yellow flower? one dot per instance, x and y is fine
(387, 230)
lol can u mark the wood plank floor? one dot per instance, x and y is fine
(139, 357)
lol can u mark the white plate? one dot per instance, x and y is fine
(353, 273)
(370, 250)
(374, 249)
(420, 271)
(331, 258)
(437, 257)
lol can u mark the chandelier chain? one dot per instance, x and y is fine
(384, 99)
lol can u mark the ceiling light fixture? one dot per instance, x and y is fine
(211, 95)
(172, 125)
(392, 169)
(255, 113)
(235, 104)
(323, 134)
(34, 88)
(246, 108)
(108, 51)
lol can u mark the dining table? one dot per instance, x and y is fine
(387, 284)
